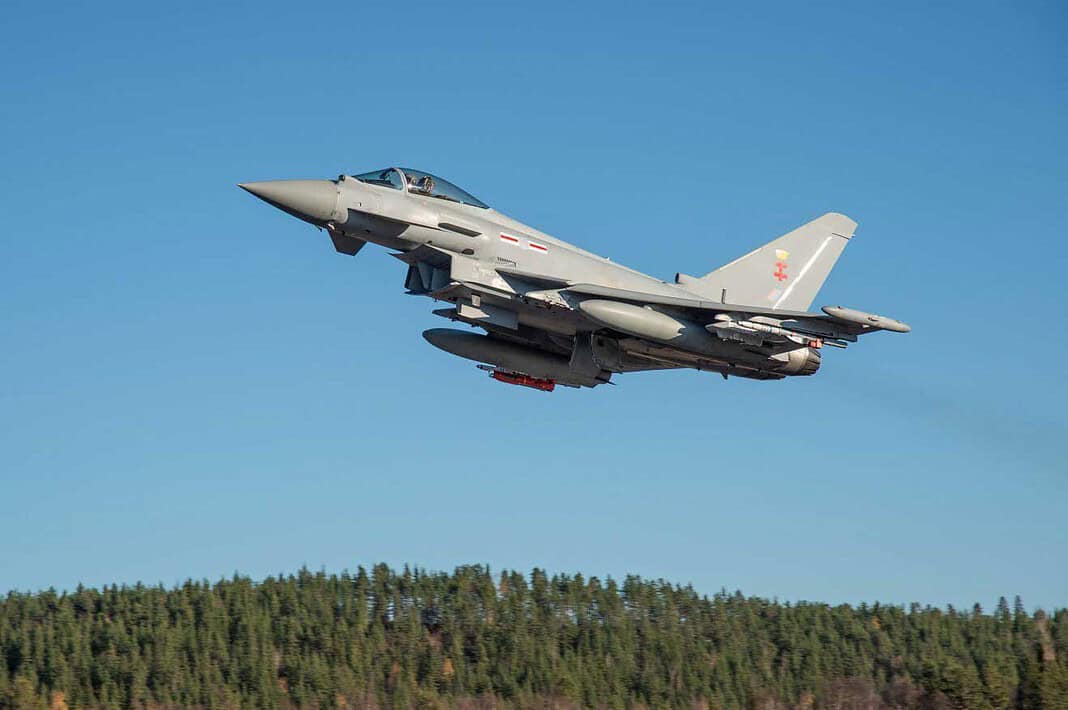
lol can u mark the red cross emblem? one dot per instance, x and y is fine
(780, 273)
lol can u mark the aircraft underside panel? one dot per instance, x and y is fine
(514, 309)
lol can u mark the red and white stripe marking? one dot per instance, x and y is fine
(516, 241)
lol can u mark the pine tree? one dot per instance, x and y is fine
(390, 638)
(1053, 687)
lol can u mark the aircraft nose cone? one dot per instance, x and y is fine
(311, 200)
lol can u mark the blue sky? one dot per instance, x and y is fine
(194, 383)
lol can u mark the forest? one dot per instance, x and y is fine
(382, 638)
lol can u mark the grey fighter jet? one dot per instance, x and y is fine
(553, 313)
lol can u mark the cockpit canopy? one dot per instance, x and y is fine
(419, 183)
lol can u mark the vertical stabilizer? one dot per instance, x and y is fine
(786, 273)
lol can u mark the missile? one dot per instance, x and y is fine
(514, 357)
(850, 315)
(685, 334)
(750, 331)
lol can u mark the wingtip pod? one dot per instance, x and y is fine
(851, 315)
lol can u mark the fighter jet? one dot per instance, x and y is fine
(554, 314)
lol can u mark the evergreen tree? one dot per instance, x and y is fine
(413, 638)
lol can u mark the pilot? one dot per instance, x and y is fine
(424, 184)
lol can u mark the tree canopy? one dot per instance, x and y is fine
(412, 638)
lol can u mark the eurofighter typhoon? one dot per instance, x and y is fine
(553, 313)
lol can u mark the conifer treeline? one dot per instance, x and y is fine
(474, 639)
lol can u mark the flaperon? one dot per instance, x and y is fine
(556, 314)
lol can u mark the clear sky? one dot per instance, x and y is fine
(194, 383)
